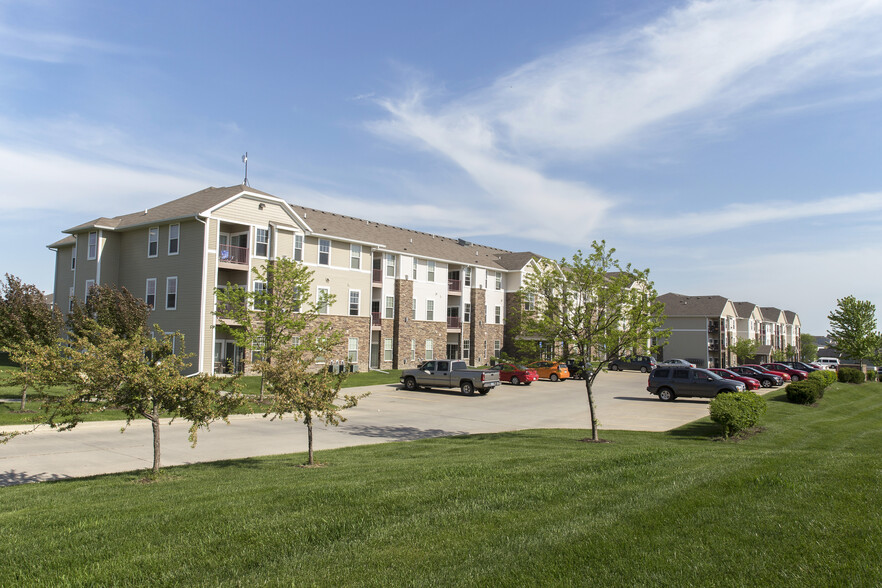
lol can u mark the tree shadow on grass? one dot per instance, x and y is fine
(400, 433)
(697, 430)
(13, 478)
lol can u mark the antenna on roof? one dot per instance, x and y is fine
(245, 161)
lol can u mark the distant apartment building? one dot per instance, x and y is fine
(401, 296)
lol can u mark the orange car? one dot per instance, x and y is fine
(552, 370)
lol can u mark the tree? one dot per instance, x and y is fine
(594, 306)
(114, 308)
(272, 317)
(26, 322)
(745, 350)
(288, 331)
(809, 347)
(853, 328)
(123, 365)
(780, 355)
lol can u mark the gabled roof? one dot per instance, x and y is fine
(186, 206)
(682, 305)
(771, 314)
(744, 309)
(517, 261)
(68, 241)
(791, 317)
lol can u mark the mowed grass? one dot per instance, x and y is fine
(799, 504)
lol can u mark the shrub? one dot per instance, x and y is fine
(822, 380)
(871, 375)
(805, 392)
(737, 411)
(851, 375)
(829, 375)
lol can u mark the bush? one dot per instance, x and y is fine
(829, 375)
(805, 392)
(871, 375)
(851, 375)
(737, 411)
(822, 379)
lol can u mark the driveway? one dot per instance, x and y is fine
(388, 414)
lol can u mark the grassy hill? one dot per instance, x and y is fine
(799, 503)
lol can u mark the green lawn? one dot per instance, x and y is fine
(10, 409)
(799, 504)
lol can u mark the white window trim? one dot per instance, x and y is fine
(352, 349)
(318, 299)
(388, 348)
(73, 258)
(430, 305)
(430, 350)
(89, 284)
(147, 293)
(298, 249)
(358, 310)
(150, 241)
(414, 310)
(90, 256)
(168, 282)
(430, 271)
(176, 239)
(319, 259)
(354, 256)
(267, 243)
(389, 310)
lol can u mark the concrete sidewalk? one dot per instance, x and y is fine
(388, 414)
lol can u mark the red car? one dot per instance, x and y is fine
(515, 374)
(784, 375)
(750, 383)
(795, 374)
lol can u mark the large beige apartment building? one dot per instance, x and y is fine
(401, 296)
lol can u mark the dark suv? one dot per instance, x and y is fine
(670, 382)
(644, 363)
(579, 370)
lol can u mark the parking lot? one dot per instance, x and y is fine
(390, 413)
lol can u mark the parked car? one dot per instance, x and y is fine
(644, 363)
(784, 376)
(553, 370)
(828, 363)
(749, 383)
(578, 369)
(795, 374)
(801, 365)
(450, 374)
(668, 382)
(766, 379)
(515, 374)
(677, 363)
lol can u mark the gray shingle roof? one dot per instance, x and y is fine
(744, 308)
(682, 305)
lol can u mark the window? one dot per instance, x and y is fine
(430, 271)
(355, 257)
(414, 309)
(467, 276)
(73, 258)
(259, 289)
(499, 280)
(430, 351)
(324, 252)
(298, 247)
(497, 314)
(174, 238)
(496, 349)
(70, 300)
(390, 265)
(295, 302)
(414, 275)
(387, 349)
(354, 299)
(467, 312)
(93, 245)
(152, 242)
(413, 350)
(430, 310)
(390, 307)
(322, 299)
(171, 293)
(466, 349)
(150, 297)
(89, 285)
(352, 356)
(530, 302)
(257, 349)
(261, 242)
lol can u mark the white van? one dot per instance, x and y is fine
(828, 363)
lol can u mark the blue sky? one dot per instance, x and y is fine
(732, 147)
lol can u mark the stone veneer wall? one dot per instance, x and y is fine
(404, 330)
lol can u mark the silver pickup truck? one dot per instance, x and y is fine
(444, 373)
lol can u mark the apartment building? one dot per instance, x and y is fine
(400, 296)
(705, 328)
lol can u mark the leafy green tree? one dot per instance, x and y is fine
(853, 328)
(271, 318)
(26, 323)
(745, 350)
(111, 307)
(594, 305)
(809, 347)
(780, 355)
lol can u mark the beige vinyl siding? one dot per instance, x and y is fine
(284, 243)
(245, 210)
(340, 282)
(86, 269)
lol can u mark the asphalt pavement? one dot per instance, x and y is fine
(389, 414)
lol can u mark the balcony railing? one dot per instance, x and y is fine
(375, 319)
(454, 285)
(453, 322)
(233, 254)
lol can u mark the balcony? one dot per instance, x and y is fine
(375, 321)
(454, 285)
(233, 257)
(454, 323)
(378, 276)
